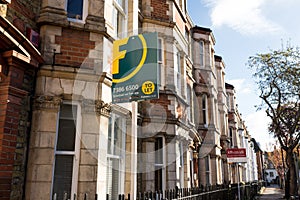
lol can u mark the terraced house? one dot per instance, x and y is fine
(61, 137)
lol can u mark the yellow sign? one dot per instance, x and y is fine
(117, 55)
(148, 87)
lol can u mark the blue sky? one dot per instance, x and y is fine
(243, 28)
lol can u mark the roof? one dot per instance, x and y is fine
(229, 86)
(11, 39)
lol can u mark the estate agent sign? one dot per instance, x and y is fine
(135, 68)
(236, 155)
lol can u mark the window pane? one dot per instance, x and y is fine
(204, 109)
(63, 176)
(74, 9)
(158, 179)
(160, 50)
(189, 101)
(116, 135)
(121, 3)
(67, 128)
(66, 135)
(201, 53)
(109, 139)
(159, 163)
(206, 163)
(158, 150)
(113, 178)
(159, 74)
(120, 23)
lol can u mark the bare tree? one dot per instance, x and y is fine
(277, 75)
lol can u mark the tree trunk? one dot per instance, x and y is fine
(292, 176)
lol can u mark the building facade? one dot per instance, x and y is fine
(239, 138)
(19, 62)
(210, 92)
(60, 135)
(168, 133)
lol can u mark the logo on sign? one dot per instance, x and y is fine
(118, 55)
(135, 68)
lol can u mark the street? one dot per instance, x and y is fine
(271, 192)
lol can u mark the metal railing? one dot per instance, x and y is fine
(248, 191)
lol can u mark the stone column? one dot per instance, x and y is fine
(171, 179)
(103, 112)
(93, 149)
(41, 149)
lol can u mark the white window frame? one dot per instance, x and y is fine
(75, 153)
(201, 53)
(124, 12)
(177, 70)
(162, 165)
(217, 115)
(160, 59)
(231, 137)
(84, 12)
(120, 157)
(180, 160)
(191, 159)
(191, 102)
(212, 59)
(207, 169)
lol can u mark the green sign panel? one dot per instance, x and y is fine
(135, 68)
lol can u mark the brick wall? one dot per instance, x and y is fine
(162, 101)
(75, 46)
(23, 13)
(14, 130)
(160, 9)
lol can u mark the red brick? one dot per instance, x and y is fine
(4, 187)
(5, 174)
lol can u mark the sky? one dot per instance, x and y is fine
(243, 28)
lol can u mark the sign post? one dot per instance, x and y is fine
(237, 155)
(135, 68)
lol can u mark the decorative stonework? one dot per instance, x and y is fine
(102, 108)
(99, 107)
(47, 102)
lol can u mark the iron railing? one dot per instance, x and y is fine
(248, 191)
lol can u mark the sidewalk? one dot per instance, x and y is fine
(271, 192)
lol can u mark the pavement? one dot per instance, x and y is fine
(271, 192)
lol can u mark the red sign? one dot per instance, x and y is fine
(236, 152)
(236, 155)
